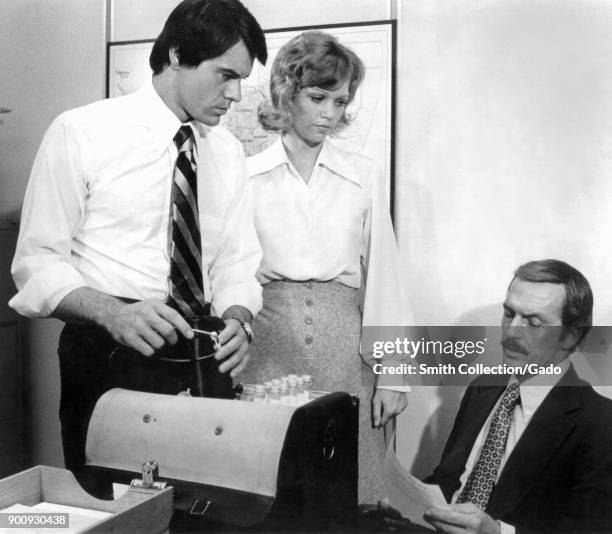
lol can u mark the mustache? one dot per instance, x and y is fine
(514, 345)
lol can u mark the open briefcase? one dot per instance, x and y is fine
(233, 465)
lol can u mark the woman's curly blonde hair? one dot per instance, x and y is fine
(311, 59)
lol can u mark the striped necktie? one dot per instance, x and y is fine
(481, 481)
(185, 283)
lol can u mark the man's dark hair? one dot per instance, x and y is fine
(577, 313)
(205, 29)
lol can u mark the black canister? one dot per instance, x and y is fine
(187, 365)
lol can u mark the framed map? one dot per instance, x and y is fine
(127, 66)
(370, 133)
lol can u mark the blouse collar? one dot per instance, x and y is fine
(336, 161)
(330, 157)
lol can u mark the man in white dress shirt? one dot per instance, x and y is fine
(97, 227)
(549, 467)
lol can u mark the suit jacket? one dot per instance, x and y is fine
(558, 477)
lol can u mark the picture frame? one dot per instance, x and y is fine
(372, 130)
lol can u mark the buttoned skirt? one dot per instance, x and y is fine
(314, 328)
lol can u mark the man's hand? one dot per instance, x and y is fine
(391, 516)
(145, 326)
(394, 519)
(387, 403)
(464, 518)
(234, 347)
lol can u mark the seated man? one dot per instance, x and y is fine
(534, 455)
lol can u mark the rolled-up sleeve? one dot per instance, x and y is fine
(52, 209)
(233, 272)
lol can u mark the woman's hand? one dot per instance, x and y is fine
(386, 404)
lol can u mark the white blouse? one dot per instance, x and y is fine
(335, 227)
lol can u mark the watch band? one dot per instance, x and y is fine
(246, 326)
(248, 331)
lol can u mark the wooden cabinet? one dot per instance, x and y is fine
(13, 451)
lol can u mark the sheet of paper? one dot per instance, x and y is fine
(16, 509)
(63, 508)
(80, 519)
(119, 490)
(408, 494)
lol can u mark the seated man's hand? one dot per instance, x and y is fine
(396, 521)
(386, 404)
(464, 518)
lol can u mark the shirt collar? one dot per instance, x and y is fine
(337, 161)
(330, 157)
(534, 390)
(159, 118)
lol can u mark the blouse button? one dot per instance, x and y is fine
(309, 302)
(309, 285)
(308, 340)
(308, 319)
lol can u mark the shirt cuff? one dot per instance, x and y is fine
(247, 295)
(42, 292)
(506, 528)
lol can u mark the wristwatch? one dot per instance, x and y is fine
(246, 326)
(247, 330)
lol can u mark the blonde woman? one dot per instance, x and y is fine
(329, 254)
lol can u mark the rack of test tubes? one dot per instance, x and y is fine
(290, 390)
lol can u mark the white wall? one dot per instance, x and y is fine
(506, 136)
(141, 19)
(505, 156)
(53, 59)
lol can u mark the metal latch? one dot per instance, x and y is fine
(200, 507)
(150, 470)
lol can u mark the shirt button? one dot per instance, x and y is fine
(308, 319)
(308, 340)
(309, 285)
(309, 302)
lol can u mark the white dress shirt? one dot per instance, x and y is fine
(335, 227)
(533, 391)
(97, 209)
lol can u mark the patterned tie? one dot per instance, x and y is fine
(186, 284)
(479, 485)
